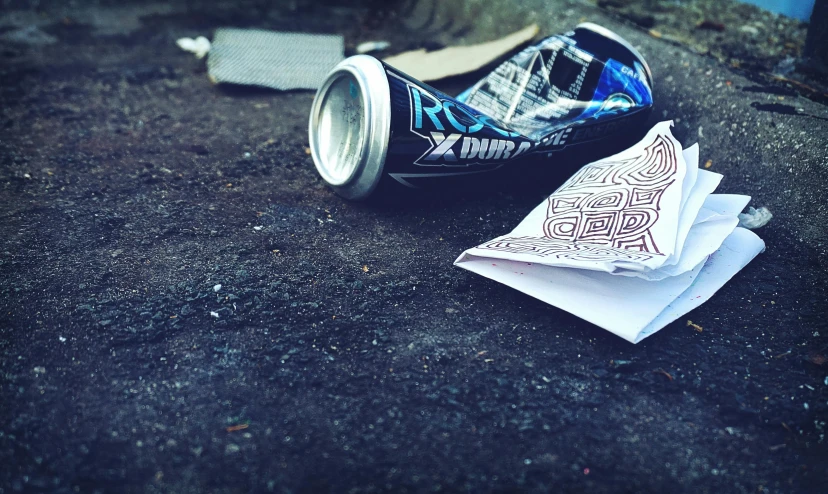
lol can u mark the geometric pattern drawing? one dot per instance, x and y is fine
(547, 247)
(614, 204)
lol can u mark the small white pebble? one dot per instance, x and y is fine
(217, 287)
(62, 339)
(370, 46)
(214, 314)
(257, 228)
(805, 405)
(39, 370)
(751, 30)
(246, 155)
(199, 46)
(755, 218)
(26, 175)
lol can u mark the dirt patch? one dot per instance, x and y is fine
(743, 36)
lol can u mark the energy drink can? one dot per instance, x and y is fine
(372, 125)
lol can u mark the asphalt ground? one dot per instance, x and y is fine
(343, 352)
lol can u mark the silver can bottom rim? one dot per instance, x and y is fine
(350, 124)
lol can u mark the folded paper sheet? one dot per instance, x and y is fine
(629, 243)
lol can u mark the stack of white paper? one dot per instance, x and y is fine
(629, 243)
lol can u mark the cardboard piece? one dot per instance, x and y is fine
(455, 60)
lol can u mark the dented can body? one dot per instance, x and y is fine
(371, 124)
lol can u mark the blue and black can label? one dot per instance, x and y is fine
(565, 91)
(434, 135)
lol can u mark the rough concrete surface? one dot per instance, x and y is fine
(342, 351)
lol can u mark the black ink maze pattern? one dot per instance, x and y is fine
(547, 247)
(605, 211)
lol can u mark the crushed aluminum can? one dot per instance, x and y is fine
(372, 126)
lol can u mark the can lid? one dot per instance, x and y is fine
(349, 126)
(615, 37)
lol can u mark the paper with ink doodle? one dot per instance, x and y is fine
(629, 243)
(619, 212)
